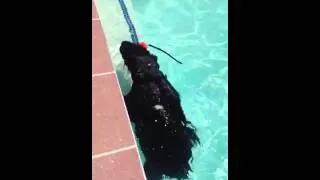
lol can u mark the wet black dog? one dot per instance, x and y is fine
(166, 137)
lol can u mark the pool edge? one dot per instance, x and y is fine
(109, 75)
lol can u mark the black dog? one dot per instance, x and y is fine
(166, 137)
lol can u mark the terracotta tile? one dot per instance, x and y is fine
(101, 61)
(110, 126)
(121, 166)
(94, 11)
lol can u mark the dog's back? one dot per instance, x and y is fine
(166, 137)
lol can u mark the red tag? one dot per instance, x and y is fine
(143, 44)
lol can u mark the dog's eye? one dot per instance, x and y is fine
(149, 64)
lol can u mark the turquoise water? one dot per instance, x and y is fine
(196, 33)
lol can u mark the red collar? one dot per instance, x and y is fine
(143, 44)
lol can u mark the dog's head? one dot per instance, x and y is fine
(139, 61)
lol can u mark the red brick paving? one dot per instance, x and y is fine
(117, 167)
(100, 57)
(111, 129)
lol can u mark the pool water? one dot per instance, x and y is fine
(196, 33)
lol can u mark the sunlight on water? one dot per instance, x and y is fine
(196, 33)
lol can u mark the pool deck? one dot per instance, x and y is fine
(114, 150)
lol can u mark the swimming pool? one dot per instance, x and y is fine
(196, 33)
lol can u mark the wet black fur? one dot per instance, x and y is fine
(165, 136)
